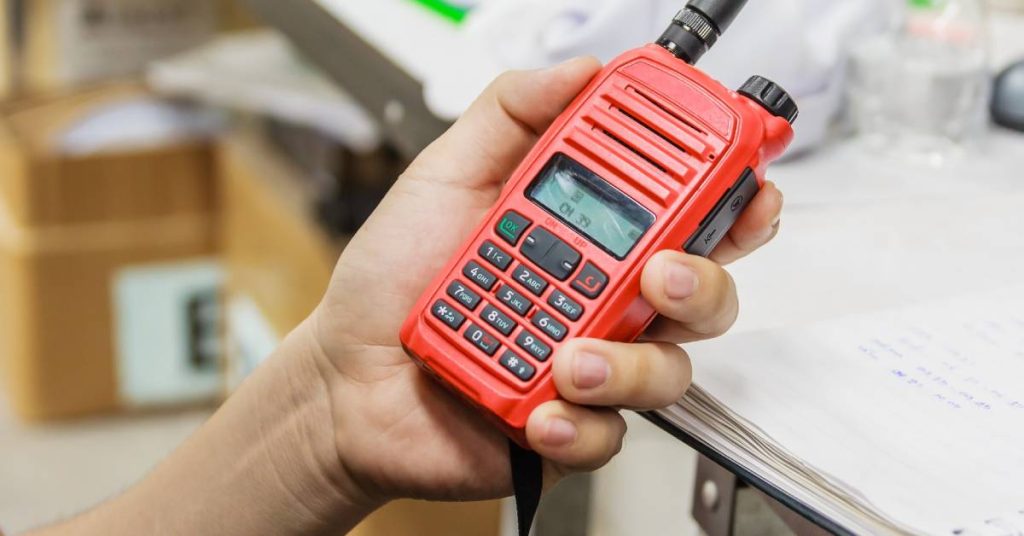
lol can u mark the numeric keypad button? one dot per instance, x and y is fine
(534, 346)
(463, 295)
(517, 366)
(444, 312)
(512, 226)
(565, 305)
(498, 320)
(484, 341)
(530, 280)
(495, 255)
(551, 327)
(480, 276)
(590, 282)
(514, 300)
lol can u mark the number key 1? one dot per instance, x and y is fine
(495, 255)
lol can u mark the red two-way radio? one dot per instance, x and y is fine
(653, 155)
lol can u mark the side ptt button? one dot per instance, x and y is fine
(772, 97)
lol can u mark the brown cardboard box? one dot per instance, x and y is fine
(279, 263)
(70, 227)
(234, 16)
(68, 43)
(274, 251)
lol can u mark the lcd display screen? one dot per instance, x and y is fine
(591, 206)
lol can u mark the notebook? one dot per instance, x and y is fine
(908, 421)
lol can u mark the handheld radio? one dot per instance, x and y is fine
(653, 155)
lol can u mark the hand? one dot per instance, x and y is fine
(397, 433)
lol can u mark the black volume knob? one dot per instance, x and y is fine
(772, 97)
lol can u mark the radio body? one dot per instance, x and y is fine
(653, 155)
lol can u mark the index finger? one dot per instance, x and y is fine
(756, 227)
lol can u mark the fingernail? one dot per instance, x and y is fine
(778, 217)
(590, 371)
(559, 432)
(680, 281)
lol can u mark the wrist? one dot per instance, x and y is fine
(301, 438)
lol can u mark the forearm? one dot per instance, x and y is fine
(265, 463)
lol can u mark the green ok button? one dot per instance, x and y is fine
(512, 226)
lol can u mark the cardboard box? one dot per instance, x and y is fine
(279, 262)
(104, 261)
(68, 43)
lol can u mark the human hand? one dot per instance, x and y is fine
(399, 434)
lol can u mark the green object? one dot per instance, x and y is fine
(509, 228)
(446, 10)
(925, 4)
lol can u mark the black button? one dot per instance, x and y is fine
(565, 305)
(552, 254)
(463, 295)
(538, 244)
(444, 312)
(591, 282)
(553, 328)
(518, 366)
(486, 342)
(514, 300)
(498, 320)
(529, 280)
(534, 346)
(495, 255)
(725, 214)
(479, 275)
(512, 226)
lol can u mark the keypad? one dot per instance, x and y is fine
(530, 280)
(517, 366)
(565, 305)
(512, 226)
(444, 312)
(514, 300)
(551, 327)
(551, 254)
(498, 320)
(545, 319)
(480, 275)
(495, 255)
(484, 341)
(534, 346)
(460, 293)
(591, 282)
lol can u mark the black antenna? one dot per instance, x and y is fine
(698, 26)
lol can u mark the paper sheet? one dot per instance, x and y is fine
(918, 412)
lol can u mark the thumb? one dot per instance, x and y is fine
(497, 131)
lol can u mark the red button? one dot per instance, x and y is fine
(591, 282)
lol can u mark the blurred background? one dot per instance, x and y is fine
(178, 178)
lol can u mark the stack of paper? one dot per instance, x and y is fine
(908, 421)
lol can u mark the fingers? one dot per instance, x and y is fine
(636, 376)
(504, 123)
(579, 433)
(695, 297)
(756, 227)
(575, 438)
